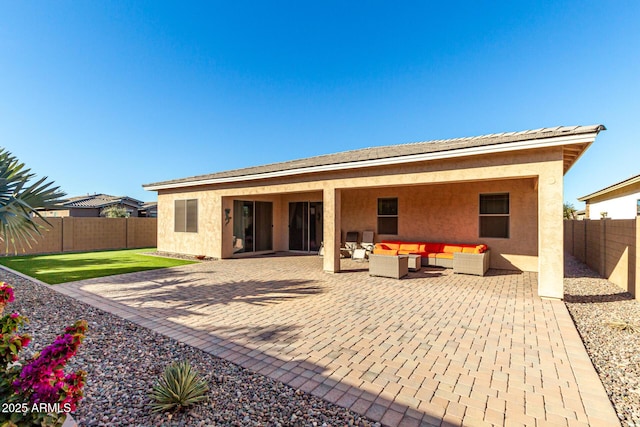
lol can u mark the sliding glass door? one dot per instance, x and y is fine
(305, 226)
(252, 226)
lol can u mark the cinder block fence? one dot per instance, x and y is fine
(71, 234)
(609, 246)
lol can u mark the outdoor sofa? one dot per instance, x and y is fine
(463, 258)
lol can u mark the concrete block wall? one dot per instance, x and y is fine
(594, 239)
(142, 233)
(609, 247)
(620, 252)
(72, 234)
(97, 233)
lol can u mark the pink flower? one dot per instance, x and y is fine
(43, 379)
(6, 293)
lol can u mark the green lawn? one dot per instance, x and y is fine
(62, 268)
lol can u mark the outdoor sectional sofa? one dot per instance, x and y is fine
(463, 258)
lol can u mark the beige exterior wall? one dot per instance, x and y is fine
(611, 247)
(55, 213)
(71, 234)
(439, 200)
(449, 213)
(621, 203)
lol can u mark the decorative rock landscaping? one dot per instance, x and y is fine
(594, 303)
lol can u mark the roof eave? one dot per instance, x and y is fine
(536, 143)
(614, 187)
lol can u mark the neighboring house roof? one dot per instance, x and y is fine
(97, 201)
(404, 153)
(622, 184)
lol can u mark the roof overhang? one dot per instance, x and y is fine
(574, 146)
(612, 188)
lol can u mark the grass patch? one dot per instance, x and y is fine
(60, 268)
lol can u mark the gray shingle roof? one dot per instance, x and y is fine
(97, 201)
(392, 151)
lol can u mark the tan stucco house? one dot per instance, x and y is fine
(92, 205)
(618, 201)
(504, 190)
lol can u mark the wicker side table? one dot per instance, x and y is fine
(415, 262)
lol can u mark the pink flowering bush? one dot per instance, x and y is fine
(37, 391)
(6, 295)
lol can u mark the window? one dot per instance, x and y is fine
(638, 209)
(494, 215)
(388, 216)
(186, 216)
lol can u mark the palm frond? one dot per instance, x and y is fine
(19, 201)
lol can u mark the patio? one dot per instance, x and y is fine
(434, 348)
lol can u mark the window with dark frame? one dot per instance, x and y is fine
(186, 216)
(388, 215)
(638, 209)
(494, 215)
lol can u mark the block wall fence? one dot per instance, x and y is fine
(610, 247)
(72, 234)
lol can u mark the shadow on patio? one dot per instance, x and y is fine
(439, 347)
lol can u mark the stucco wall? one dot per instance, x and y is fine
(450, 213)
(621, 203)
(622, 207)
(215, 235)
(534, 175)
(439, 200)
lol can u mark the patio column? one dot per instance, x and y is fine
(331, 212)
(226, 228)
(550, 232)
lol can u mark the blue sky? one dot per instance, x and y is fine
(103, 97)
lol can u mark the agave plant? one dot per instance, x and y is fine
(621, 325)
(19, 201)
(178, 387)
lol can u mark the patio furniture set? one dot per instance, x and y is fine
(391, 258)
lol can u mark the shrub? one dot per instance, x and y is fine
(37, 391)
(624, 326)
(6, 295)
(179, 386)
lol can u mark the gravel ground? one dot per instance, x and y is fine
(594, 303)
(123, 361)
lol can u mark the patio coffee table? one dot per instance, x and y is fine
(415, 262)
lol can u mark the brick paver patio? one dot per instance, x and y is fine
(432, 349)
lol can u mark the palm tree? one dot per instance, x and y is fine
(19, 201)
(569, 211)
(114, 211)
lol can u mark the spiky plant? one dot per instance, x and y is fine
(19, 201)
(624, 326)
(178, 387)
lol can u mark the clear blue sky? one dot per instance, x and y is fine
(106, 96)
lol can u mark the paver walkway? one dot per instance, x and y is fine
(432, 349)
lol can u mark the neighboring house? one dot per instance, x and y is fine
(91, 205)
(504, 190)
(618, 201)
(148, 210)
